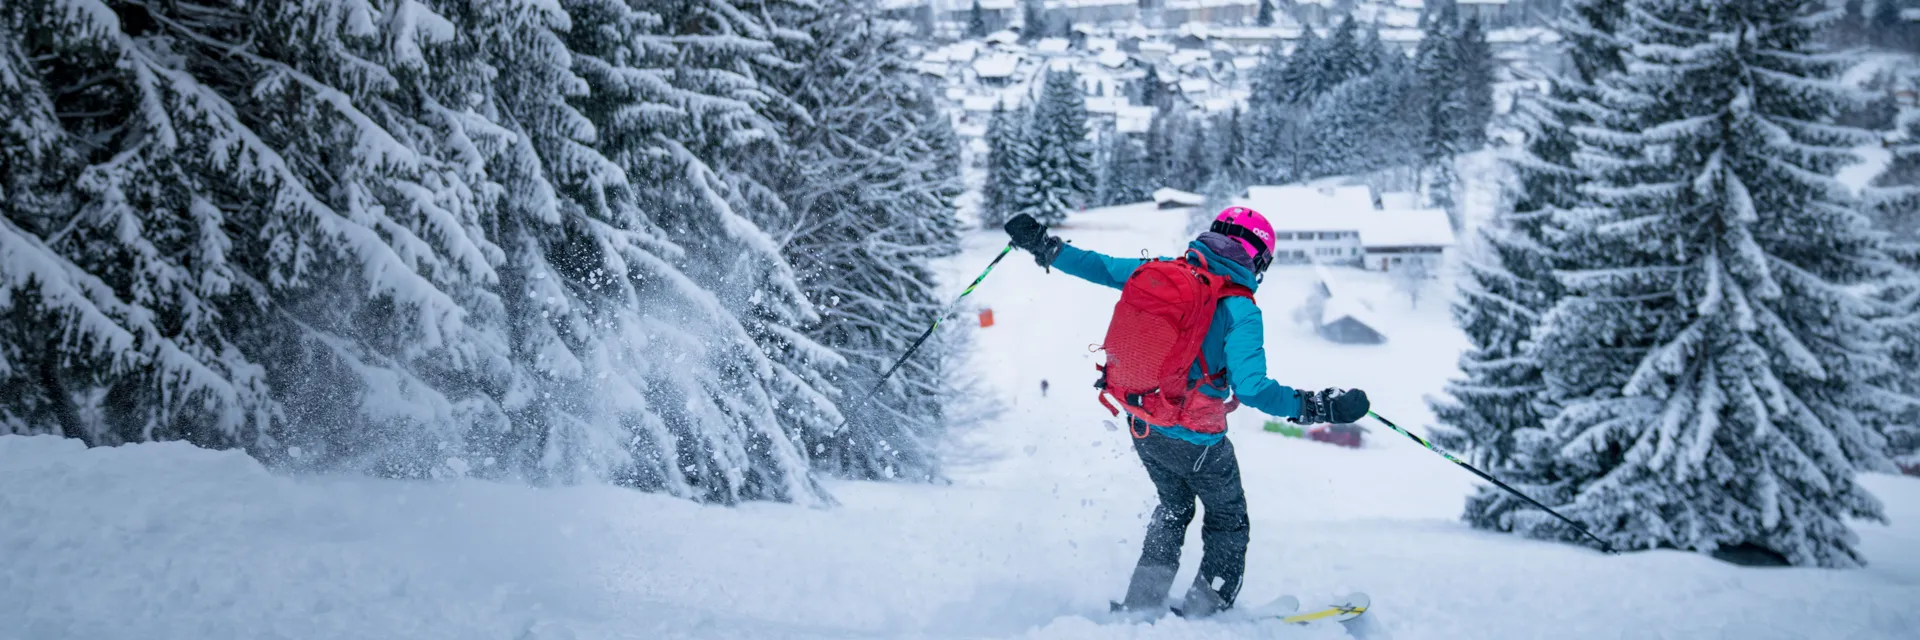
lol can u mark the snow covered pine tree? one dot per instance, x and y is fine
(415, 238)
(870, 173)
(1508, 282)
(1719, 381)
(1058, 174)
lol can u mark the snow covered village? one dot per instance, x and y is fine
(1040, 319)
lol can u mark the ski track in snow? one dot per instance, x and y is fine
(1037, 532)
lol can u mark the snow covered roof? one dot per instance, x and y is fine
(1400, 19)
(1348, 208)
(1158, 47)
(1166, 195)
(1910, 15)
(1197, 4)
(1399, 35)
(1108, 104)
(1051, 45)
(1190, 56)
(956, 52)
(1340, 304)
(1102, 44)
(1137, 208)
(995, 66)
(1394, 200)
(1330, 202)
(1132, 119)
(932, 68)
(980, 104)
(1405, 228)
(1003, 36)
(1195, 85)
(1113, 59)
(1522, 35)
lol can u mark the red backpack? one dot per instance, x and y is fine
(1154, 338)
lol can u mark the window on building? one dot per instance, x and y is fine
(1396, 259)
(1356, 251)
(1283, 235)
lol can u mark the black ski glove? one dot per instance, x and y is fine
(1331, 406)
(1027, 233)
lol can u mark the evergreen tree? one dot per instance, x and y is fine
(517, 240)
(1507, 282)
(976, 21)
(1718, 380)
(1340, 59)
(1851, 28)
(1437, 68)
(1306, 74)
(1265, 16)
(1475, 58)
(131, 311)
(1377, 56)
(1896, 206)
(1271, 117)
(1235, 162)
(699, 195)
(1194, 166)
(1886, 29)
(1153, 91)
(1359, 127)
(1877, 114)
(870, 177)
(1033, 22)
(1058, 175)
(1124, 176)
(1004, 160)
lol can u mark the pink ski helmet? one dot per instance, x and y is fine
(1251, 229)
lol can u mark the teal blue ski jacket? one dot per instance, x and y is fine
(1236, 338)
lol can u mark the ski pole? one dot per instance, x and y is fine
(923, 338)
(1604, 546)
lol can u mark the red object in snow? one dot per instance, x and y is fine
(986, 318)
(1345, 435)
(1910, 469)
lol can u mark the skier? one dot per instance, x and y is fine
(1043, 387)
(1196, 459)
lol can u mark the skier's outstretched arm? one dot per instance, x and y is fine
(1247, 364)
(1049, 251)
(1095, 267)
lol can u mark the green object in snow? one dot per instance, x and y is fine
(1288, 430)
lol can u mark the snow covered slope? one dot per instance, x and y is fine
(1035, 535)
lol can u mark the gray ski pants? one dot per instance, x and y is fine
(1182, 471)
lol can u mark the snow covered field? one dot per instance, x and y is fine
(1037, 533)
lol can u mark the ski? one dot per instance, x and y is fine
(1285, 609)
(1354, 605)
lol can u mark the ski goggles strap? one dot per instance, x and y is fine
(1263, 254)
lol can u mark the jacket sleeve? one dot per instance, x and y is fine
(1095, 267)
(1247, 364)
